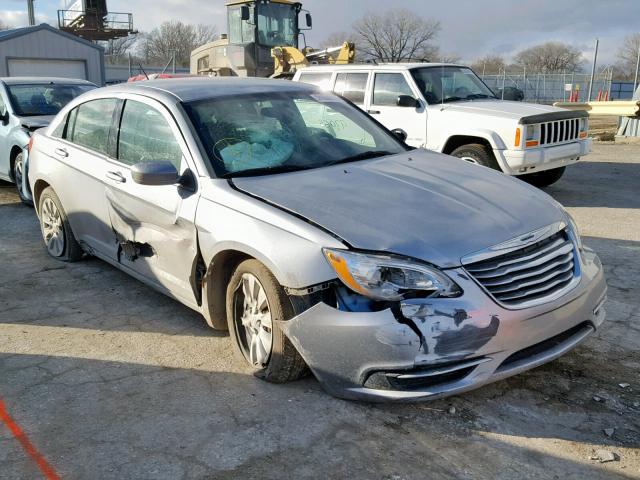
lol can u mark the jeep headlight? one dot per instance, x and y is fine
(384, 277)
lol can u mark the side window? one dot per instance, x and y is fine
(322, 80)
(322, 119)
(387, 87)
(352, 86)
(203, 64)
(92, 123)
(3, 107)
(146, 136)
(59, 130)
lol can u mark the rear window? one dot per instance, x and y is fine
(322, 80)
(352, 86)
(47, 99)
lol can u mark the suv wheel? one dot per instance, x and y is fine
(478, 154)
(256, 304)
(543, 179)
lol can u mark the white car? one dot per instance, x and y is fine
(448, 109)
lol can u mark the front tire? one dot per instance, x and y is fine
(478, 154)
(56, 232)
(545, 178)
(18, 175)
(256, 304)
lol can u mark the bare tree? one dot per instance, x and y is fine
(489, 64)
(550, 57)
(159, 45)
(396, 36)
(116, 50)
(338, 38)
(628, 55)
(443, 57)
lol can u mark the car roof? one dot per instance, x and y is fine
(44, 81)
(200, 88)
(378, 66)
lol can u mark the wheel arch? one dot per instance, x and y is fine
(38, 188)
(456, 141)
(214, 285)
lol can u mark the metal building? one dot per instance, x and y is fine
(45, 51)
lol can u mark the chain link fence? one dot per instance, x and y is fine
(549, 87)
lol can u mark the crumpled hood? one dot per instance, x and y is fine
(420, 204)
(500, 108)
(33, 123)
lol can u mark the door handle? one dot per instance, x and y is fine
(61, 152)
(116, 177)
(373, 112)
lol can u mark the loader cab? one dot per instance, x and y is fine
(256, 26)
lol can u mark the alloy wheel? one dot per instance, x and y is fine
(253, 320)
(17, 174)
(52, 228)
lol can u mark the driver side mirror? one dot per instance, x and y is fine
(309, 20)
(245, 13)
(407, 101)
(4, 116)
(400, 134)
(161, 172)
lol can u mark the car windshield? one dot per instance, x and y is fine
(450, 84)
(260, 134)
(46, 99)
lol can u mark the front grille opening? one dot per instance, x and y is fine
(530, 274)
(421, 378)
(545, 345)
(559, 131)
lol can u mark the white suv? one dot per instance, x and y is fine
(447, 108)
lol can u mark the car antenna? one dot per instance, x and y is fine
(145, 73)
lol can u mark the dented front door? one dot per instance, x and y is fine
(154, 225)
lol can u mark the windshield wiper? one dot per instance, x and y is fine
(254, 172)
(451, 99)
(360, 156)
(474, 96)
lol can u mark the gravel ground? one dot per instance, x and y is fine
(110, 379)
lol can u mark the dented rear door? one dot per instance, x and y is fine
(154, 225)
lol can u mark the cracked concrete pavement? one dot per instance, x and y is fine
(110, 379)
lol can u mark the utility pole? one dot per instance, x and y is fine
(593, 71)
(30, 13)
(635, 80)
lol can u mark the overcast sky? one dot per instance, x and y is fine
(470, 28)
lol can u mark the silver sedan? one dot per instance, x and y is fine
(317, 238)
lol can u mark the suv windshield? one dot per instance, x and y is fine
(46, 99)
(259, 134)
(450, 84)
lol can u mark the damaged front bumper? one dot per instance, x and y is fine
(430, 348)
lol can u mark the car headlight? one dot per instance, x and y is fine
(383, 277)
(574, 228)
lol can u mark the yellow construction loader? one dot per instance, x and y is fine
(262, 41)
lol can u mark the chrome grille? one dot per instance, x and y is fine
(560, 131)
(530, 275)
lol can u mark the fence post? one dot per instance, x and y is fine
(635, 80)
(524, 81)
(593, 71)
(537, 86)
(504, 78)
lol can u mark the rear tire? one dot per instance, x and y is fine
(256, 304)
(56, 232)
(543, 179)
(478, 154)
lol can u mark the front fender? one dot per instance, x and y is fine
(490, 136)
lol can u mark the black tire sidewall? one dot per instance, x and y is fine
(19, 159)
(72, 250)
(280, 308)
(479, 153)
